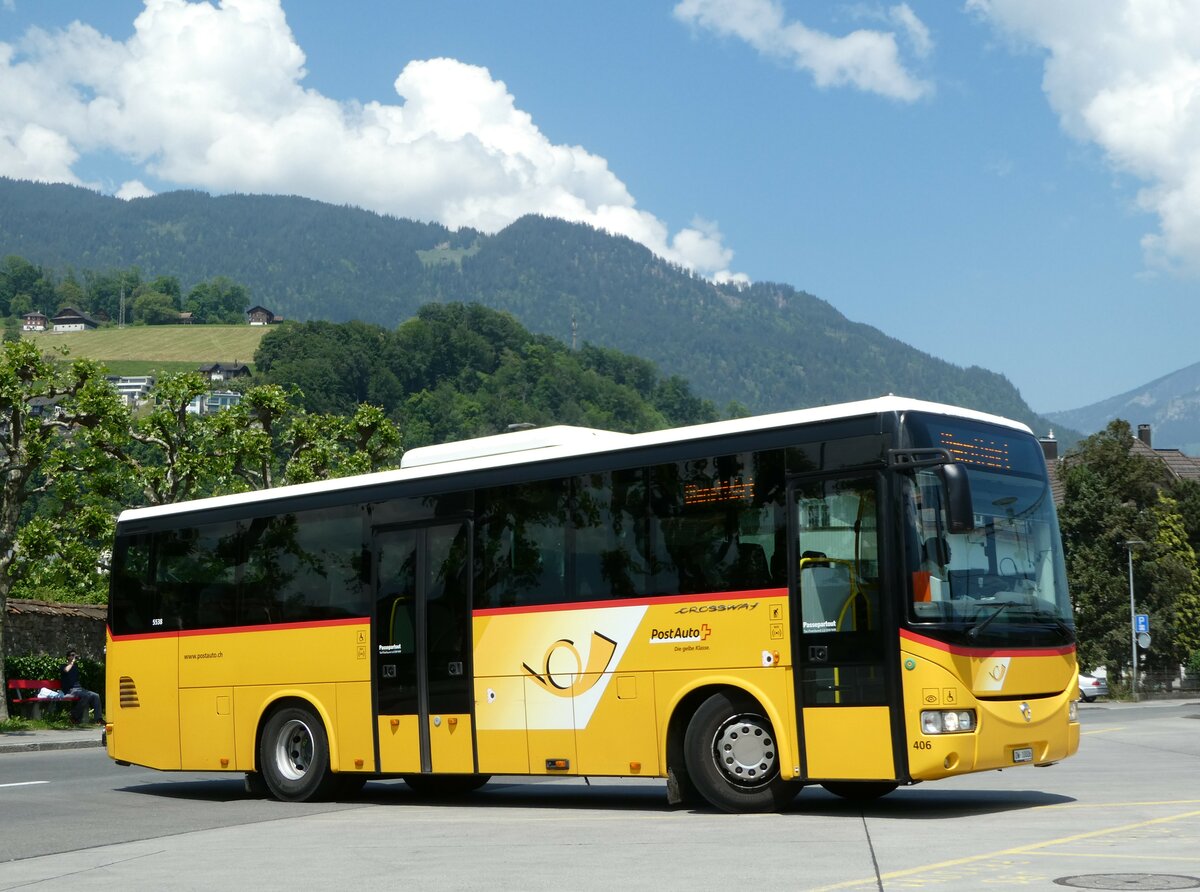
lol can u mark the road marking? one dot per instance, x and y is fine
(1123, 804)
(1032, 848)
(1103, 730)
(1122, 857)
(23, 784)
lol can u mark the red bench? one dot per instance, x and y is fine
(24, 692)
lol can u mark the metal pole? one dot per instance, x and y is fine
(1132, 624)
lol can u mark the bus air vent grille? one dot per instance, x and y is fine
(129, 694)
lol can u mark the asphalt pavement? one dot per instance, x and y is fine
(1124, 813)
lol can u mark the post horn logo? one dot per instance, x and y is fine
(997, 671)
(564, 674)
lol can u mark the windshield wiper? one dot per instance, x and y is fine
(974, 631)
(1057, 620)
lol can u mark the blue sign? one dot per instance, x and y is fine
(1141, 622)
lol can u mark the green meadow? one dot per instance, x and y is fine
(156, 349)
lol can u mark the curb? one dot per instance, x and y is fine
(34, 746)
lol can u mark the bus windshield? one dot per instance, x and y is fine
(1003, 583)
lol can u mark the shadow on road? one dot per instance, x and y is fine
(909, 803)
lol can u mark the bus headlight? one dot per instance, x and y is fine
(947, 721)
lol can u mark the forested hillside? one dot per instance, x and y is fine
(459, 371)
(766, 347)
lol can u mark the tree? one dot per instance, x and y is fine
(1173, 596)
(105, 291)
(1109, 496)
(324, 446)
(173, 454)
(153, 308)
(25, 285)
(69, 293)
(219, 301)
(44, 404)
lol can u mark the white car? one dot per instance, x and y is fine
(1092, 686)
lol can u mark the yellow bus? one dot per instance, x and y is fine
(859, 596)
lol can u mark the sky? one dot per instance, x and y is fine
(1013, 184)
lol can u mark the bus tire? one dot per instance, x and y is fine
(860, 791)
(445, 784)
(732, 758)
(293, 755)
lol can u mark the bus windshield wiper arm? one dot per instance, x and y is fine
(997, 606)
(1057, 620)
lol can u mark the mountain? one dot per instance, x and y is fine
(765, 347)
(1170, 405)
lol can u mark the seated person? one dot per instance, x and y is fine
(72, 688)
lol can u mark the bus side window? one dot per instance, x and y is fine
(401, 625)
(520, 549)
(826, 593)
(752, 569)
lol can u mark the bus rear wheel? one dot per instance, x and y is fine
(732, 756)
(860, 791)
(294, 755)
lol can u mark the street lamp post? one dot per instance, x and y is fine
(1129, 543)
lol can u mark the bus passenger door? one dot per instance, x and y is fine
(423, 649)
(840, 644)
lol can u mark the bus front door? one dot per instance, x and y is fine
(423, 649)
(840, 651)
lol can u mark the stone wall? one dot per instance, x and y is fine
(40, 627)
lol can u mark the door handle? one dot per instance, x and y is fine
(454, 668)
(818, 653)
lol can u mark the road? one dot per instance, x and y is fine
(1128, 804)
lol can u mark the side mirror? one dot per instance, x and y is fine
(960, 516)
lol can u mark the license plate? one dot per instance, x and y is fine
(1024, 754)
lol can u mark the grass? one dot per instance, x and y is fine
(59, 721)
(130, 368)
(156, 346)
(438, 255)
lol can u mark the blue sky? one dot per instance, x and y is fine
(1006, 183)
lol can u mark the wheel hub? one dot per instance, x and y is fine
(745, 750)
(294, 750)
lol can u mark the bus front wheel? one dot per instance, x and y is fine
(294, 755)
(732, 756)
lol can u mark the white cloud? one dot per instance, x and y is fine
(867, 60)
(914, 29)
(212, 97)
(33, 152)
(1126, 76)
(134, 189)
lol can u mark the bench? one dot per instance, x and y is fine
(24, 692)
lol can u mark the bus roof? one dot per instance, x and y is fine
(563, 441)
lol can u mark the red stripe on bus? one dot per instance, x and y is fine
(225, 630)
(987, 651)
(634, 602)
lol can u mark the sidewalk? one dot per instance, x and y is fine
(65, 739)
